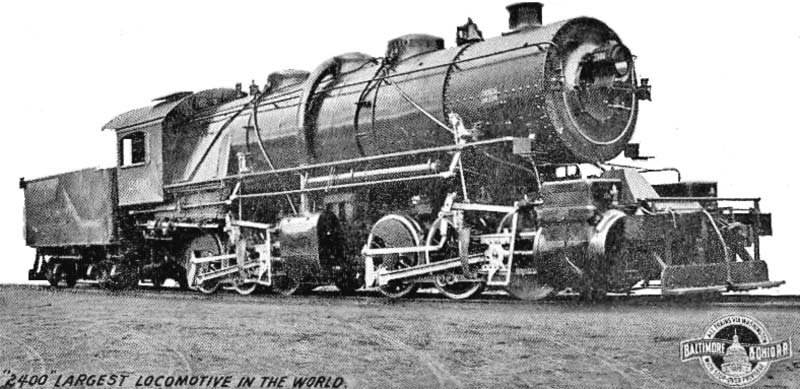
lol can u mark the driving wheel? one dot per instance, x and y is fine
(396, 231)
(245, 288)
(206, 245)
(447, 283)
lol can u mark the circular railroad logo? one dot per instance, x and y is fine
(736, 350)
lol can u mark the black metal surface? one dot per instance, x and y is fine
(71, 209)
(311, 246)
(502, 85)
(687, 189)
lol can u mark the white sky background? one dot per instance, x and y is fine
(724, 75)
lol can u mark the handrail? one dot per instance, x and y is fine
(447, 148)
(344, 186)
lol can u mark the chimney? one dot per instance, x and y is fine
(524, 15)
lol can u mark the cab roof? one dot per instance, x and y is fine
(175, 105)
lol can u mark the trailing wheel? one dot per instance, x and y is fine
(347, 285)
(180, 277)
(448, 283)
(285, 285)
(202, 246)
(593, 295)
(396, 231)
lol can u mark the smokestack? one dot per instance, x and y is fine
(524, 15)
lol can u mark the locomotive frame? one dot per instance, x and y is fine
(188, 202)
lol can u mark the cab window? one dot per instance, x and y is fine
(132, 149)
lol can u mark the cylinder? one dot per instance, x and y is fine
(310, 243)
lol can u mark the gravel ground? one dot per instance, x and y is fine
(368, 341)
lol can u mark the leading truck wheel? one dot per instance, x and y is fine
(396, 231)
(529, 287)
(447, 283)
(206, 245)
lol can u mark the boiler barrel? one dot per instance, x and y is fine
(554, 84)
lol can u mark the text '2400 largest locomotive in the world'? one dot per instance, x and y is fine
(455, 168)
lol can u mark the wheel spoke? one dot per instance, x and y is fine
(444, 281)
(207, 245)
(245, 288)
(394, 231)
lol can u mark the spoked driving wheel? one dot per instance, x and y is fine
(396, 231)
(202, 246)
(457, 290)
(448, 283)
(246, 282)
(245, 288)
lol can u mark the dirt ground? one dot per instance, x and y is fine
(368, 341)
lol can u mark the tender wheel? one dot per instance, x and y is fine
(396, 231)
(445, 282)
(55, 274)
(62, 272)
(105, 280)
(207, 245)
(71, 277)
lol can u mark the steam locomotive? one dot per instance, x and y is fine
(457, 168)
